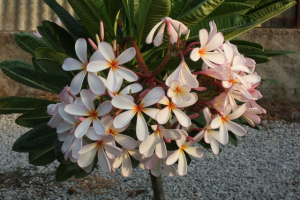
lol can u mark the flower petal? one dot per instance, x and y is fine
(214, 57)
(216, 122)
(192, 101)
(194, 55)
(223, 134)
(197, 152)
(103, 160)
(76, 110)
(87, 100)
(111, 82)
(215, 42)
(63, 127)
(123, 119)
(149, 38)
(153, 96)
(176, 24)
(81, 50)
(97, 65)
(126, 141)
(142, 131)
(152, 112)
(71, 64)
(97, 56)
(104, 108)
(122, 103)
(207, 115)
(135, 154)
(86, 158)
(182, 164)
(83, 127)
(113, 150)
(163, 116)
(107, 51)
(203, 37)
(183, 119)
(126, 166)
(173, 158)
(238, 112)
(98, 127)
(159, 36)
(171, 134)
(156, 169)
(126, 56)
(135, 87)
(147, 146)
(188, 78)
(77, 82)
(214, 146)
(228, 52)
(235, 128)
(91, 134)
(96, 84)
(160, 149)
(127, 74)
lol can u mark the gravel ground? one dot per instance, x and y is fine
(265, 165)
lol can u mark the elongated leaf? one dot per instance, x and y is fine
(70, 23)
(112, 8)
(269, 80)
(224, 23)
(258, 58)
(43, 157)
(60, 38)
(247, 49)
(230, 7)
(49, 67)
(263, 15)
(200, 12)
(178, 7)
(62, 173)
(14, 104)
(16, 72)
(29, 42)
(252, 2)
(34, 117)
(37, 139)
(131, 7)
(246, 43)
(49, 54)
(187, 6)
(91, 16)
(150, 12)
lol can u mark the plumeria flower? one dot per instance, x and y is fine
(172, 27)
(70, 64)
(88, 152)
(153, 163)
(183, 74)
(132, 88)
(220, 73)
(210, 136)
(156, 141)
(206, 48)
(110, 61)
(90, 112)
(124, 118)
(179, 155)
(251, 115)
(124, 140)
(125, 160)
(224, 123)
(163, 116)
(179, 92)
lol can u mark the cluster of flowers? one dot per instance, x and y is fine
(91, 125)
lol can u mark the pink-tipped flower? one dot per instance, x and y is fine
(124, 118)
(172, 29)
(179, 92)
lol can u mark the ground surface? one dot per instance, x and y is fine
(265, 165)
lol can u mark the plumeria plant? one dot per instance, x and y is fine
(150, 83)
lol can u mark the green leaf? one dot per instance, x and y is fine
(230, 7)
(270, 80)
(131, 8)
(49, 67)
(60, 39)
(70, 23)
(62, 173)
(258, 58)
(173, 63)
(232, 138)
(224, 23)
(91, 16)
(29, 42)
(186, 6)
(149, 14)
(37, 139)
(200, 12)
(248, 49)
(263, 15)
(34, 117)
(252, 2)
(43, 157)
(112, 8)
(246, 43)
(16, 71)
(178, 7)
(49, 54)
(14, 104)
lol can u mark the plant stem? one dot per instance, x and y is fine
(157, 187)
(161, 66)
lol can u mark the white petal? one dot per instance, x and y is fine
(152, 112)
(207, 115)
(126, 56)
(228, 52)
(163, 116)
(195, 56)
(171, 134)
(96, 84)
(87, 100)
(87, 148)
(173, 158)
(77, 82)
(214, 57)
(164, 101)
(135, 154)
(215, 42)
(126, 166)
(182, 164)
(223, 134)
(71, 64)
(91, 134)
(135, 87)
(63, 127)
(170, 170)
(97, 56)
(83, 127)
(175, 75)
(214, 146)
(235, 128)
(176, 99)
(97, 65)
(173, 36)
(86, 158)
(122, 103)
(159, 36)
(156, 169)
(112, 150)
(188, 78)
(192, 101)
(77, 144)
(216, 122)
(125, 141)
(107, 121)
(240, 68)
(98, 126)
(183, 119)
(123, 119)
(153, 96)
(142, 131)
(238, 112)
(103, 160)
(108, 138)
(197, 152)
(111, 82)
(160, 149)
(107, 51)
(176, 24)
(127, 74)
(104, 108)
(150, 35)
(147, 146)
(81, 50)
(203, 37)
(55, 120)
(76, 110)
(66, 116)
(67, 143)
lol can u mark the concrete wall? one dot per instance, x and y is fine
(285, 69)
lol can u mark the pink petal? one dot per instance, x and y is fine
(81, 50)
